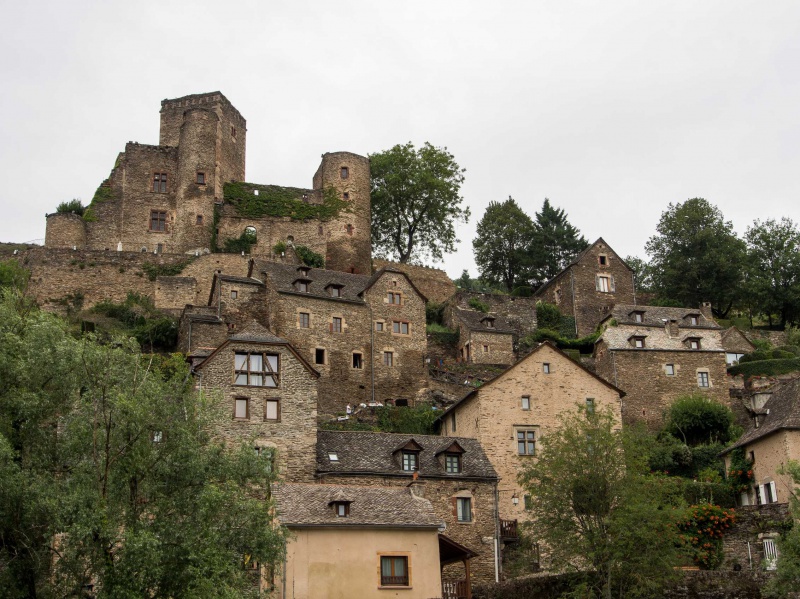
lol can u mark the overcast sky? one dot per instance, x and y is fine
(611, 109)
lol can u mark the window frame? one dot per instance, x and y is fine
(406, 459)
(528, 437)
(201, 178)
(357, 361)
(337, 324)
(388, 359)
(379, 326)
(159, 182)
(266, 372)
(452, 463)
(397, 327)
(464, 510)
(304, 320)
(394, 298)
(159, 218)
(703, 379)
(277, 403)
(246, 401)
(604, 284)
(546, 369)
(344, 172)
(669, 369)
(525, 402)
(390, 580)
(324, 354)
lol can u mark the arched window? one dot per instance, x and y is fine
(250, 231)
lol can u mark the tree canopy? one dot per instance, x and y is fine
(696, 256)
(502, 246)
(108, 476)
(416, 202)
(555, 243)
(590, 492)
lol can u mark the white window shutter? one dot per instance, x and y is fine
(761, 498)
(773, 492)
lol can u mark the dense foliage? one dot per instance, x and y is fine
(276, 201)
(502, 246)
(108, 476)
(309, 257)
(555, 244)
(154, 330)
(153, 271)
(703, 530)
(787, 579)
(416, 202)
(71, 207)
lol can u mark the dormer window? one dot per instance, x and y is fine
(303, 270)
(341, 508)
(693, 342)
(637, 341)
(489, 323)
(452, 463)
(693, 319)
(335, 290)
(410, 460)
(302, 285)
(638, 316)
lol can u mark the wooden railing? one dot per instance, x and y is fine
(508, 529)
(458, 589)
(394, 581)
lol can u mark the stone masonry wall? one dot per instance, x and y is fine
(642, 375)
(433, 283)
(294, 435)
(491, 348)
(751, 521)
(477, 535)
(520, 312)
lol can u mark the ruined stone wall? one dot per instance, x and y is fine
(477, 535)
(241, 303)
(294, 435)
(650, 391)
(520, 312)
(491, 348)
(433, 283)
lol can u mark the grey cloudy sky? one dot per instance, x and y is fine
(611, 109)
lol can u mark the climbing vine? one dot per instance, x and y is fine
(276, 201)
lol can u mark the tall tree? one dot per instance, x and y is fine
(643, 274)
(773, 250)
(108, 476)
(502, 245)
(416, 202)
(590, 492)
(696, 256)
(555, 243)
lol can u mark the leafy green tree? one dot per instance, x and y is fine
(787, 579)
(74, 206)
(555, 243)
(12, 274)
(416, 202)
(591, 490)
(773, 251)
(503, 244)
(696, 420)
(642, 272)
(108, 475)
(696, 256)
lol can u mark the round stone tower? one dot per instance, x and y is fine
(349, 237)
(65, 230)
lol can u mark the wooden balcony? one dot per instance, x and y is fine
(459, 589)
(508, 530)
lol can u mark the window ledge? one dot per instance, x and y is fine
(394, 587)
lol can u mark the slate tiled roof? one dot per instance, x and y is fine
(374, 453)
(474, 321)
(283, 276)
(657, 338)
(301, 504)
(784, 413)
(243, 280)
(656, 315)
(255, 333)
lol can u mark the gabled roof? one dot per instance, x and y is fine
(231, 279)
(308, 505)
(783, 414)
(577, 259)
(657, 316)
(257, 334)
(388, 269)
(365, 453)
(731, 334)
(617, 336)
(474, 392)
(476, 321)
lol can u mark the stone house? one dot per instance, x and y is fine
(186, 194)
(513, 413)
(453, 473)
(589, 286)
(365, 335)
(772, 439)
(658, 354)
(265, 394)
(483, 338)
(349, 541)
(518, 312)
(736, 345)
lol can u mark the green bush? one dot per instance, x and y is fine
(434, 313)
(273, 200)
(766, 367)
(279, 248)
(584, 345)
(477, 304)
(243, 243)
(72, 206)
(158, 333)
(767, 354)
(522, 291)
(791, 349)
(548, 316)
(309, 257)
(697, 420)
(762, 343)
(153, 271)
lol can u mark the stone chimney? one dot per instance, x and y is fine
(672, 327)
(417, 486)
(705, 310)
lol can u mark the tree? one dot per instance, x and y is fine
(555, 243)
(773, 249)
(643, 274)
(416, 202)
(502, 245)
(696, 256)
(108, 476)
(591, 492)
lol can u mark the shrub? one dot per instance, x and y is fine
(766, 367)
(309, 257)
(434, 313)
(72, 206)
(697, 420)
(477, 304)
(703, 529)
(154, 271)
(279, 248)
(240, 244)
(548, 316)
(767, 354)
(411, 420)
(522, 291)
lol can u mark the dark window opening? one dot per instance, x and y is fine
(358, 361)
(319, 356)
(346, 195)
(345, 172)
(394, 571)
(160, 182)
(201, 178)
(199, 220)
(158, 221)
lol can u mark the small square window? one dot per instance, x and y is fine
(304, 320)
(603, 260)
(464, 509)
(694, 344)
(358, 361)
(526, 402)
(336, 324)
(335, 291)
(333, 456)
(273, 410)
(241, 408)
(669, 369)
(158, 221)
(546, 368)
(388, 358)
(485, 349)
(201, 178)
(342, 509)
(379, 327)
(302, 286)
(638, 316)
(234, 294)
(345, 172)
(693, 320)
(319, 356)
(702, 379)
(400, 328)
(452, 463)
(638, 342)
(345, 196)
(393, 298)
(394, 571)
(199, 220)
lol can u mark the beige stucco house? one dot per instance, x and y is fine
(365, 542)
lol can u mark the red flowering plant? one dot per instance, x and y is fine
(740, 474)
(702, 531)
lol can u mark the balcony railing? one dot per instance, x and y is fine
(400, 581)
(458, 589)
(508, 530)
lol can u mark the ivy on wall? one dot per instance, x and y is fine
(104, 193)
(276, 201)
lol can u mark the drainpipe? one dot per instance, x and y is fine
(372, 353)
(496, 533)
(219, 295)
(189, 349)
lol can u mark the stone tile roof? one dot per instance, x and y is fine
(283, 276)
(301, 504)
(243, 280)
(658, 338)
(784, 413)
(475, 321)
(253, 332)
(374, 453)
(656, 315)
(734, 338)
